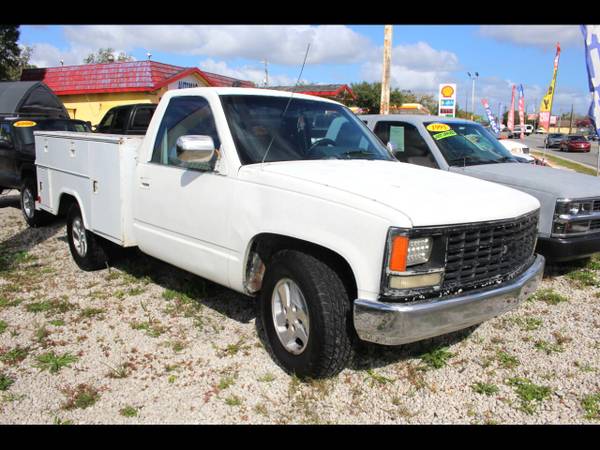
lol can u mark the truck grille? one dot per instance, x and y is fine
(490, 252)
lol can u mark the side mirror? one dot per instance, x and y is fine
(195, 149)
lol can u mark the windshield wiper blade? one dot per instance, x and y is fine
(349, 154)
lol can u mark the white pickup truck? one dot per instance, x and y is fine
(291, 198)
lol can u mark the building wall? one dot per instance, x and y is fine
(92, 107)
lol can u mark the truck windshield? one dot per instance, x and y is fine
(310, 129)
(25, 134)
(467, 144)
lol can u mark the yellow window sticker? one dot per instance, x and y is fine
(438, 127)
(445, 134)
(24, 123)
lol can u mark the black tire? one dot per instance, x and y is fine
(331, 334)
(93, 255)
(28, 194)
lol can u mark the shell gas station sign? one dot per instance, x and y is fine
(447, 100)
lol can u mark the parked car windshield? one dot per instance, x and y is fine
(25, 134)
(576, 138)
(468, 144)
(309, 129)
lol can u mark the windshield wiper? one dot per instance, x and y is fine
(354, 153)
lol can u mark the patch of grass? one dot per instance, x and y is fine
(529, 393)
(233, 400)
(6, 303)
(121, 371)
(436, 358)
(81, 397)
(5, 382)
(564, 163)
(178, 346)
(506, 360)
(233, 349)
(375, 377)
(591, 405)
(261, 409)
(49, 307)
(88, 313)
(226, 382)
(485, 388)
(3, 326)
(267, 378)
(129, 411)
(548, 347)
(151, 327)
(11, 260)
(171, 379)
(57, 322)
(583, 278)
(14, 356)
(53, 363)
(584, 367)
(58, 421)
(561, 338)
(528, 323)
(549, 296)
(41, 334)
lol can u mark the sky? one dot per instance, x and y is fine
(422, 57)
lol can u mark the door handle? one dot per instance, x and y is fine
(144, 182)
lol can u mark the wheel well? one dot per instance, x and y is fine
(64, 204)
(266, 245)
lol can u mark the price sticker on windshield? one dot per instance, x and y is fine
(445, 134)
(24, 123)
(437, 127)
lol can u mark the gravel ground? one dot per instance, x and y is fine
(144, 342)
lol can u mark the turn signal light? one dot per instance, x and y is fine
(399, 253)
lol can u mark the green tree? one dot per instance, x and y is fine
(105, 55)
(9, 51)
(368, 96)
(22, 63)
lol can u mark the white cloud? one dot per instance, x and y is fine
(280, 44)
(544, 36)
(46, 55)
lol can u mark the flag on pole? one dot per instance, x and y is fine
(591, 34)
(546, 105)
(511, 112)
(522, 110)
(491, 119)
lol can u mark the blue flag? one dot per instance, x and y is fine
(591, 36)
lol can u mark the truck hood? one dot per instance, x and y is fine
(426, 196)
(558, 182)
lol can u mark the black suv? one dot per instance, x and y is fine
(17, 156)
(127, 119)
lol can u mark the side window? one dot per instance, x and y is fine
(408, 144)
(106, 122)
(141, 118)
(188, 115)
(120, 121)
(5, 136)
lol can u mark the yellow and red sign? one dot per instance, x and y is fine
(447, 100)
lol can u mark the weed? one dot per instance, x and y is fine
(549, 296)
(561, 338)
(593, 263)
(233, 349)
(3, 326)
(548, 347)
(583, 278)
(171, 379)
(121, 371)
(58, 421)
(57, 322)
(5, 382)
(53, 363)
(50, 306)
(129, 411)
(267, 378)
(88, 313)
(591, 406)
(233, 400)
(14, 356)
(374, 377)
(436, 358)
(82, 396)
(151, 327)
(485, 388)
(529, 393)
(178, 346)
(226, 382)
(585, 367)
(261, 409)
(6, 303)
(506, 360)
(528, 323)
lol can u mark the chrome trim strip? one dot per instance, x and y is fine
(395, 324)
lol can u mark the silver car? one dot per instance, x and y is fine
(569, 226)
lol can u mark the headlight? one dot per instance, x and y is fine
(573, 208)
(573, 217)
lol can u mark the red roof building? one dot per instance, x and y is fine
(89, 90)
(339, 92)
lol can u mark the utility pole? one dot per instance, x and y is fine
(473, 78)
(571, 121)
(384, 107)
(266, 71)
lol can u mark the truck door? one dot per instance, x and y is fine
(8, 168)
(181, 215)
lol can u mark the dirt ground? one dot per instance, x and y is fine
(144, 342)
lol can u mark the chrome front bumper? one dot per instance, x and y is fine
(401, 323)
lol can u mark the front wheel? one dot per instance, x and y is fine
(307, 315)
(86, 248)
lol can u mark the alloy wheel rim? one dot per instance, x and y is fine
(290, 316)
(28, 204)
(79, 237)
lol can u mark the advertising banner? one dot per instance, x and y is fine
(511, 112)
(591, 34)
(447, 100)
(546, 105)
(553, 120)
(522, 110)
(490, 117)
(531, 116)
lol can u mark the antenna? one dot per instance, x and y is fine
(288, 103)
